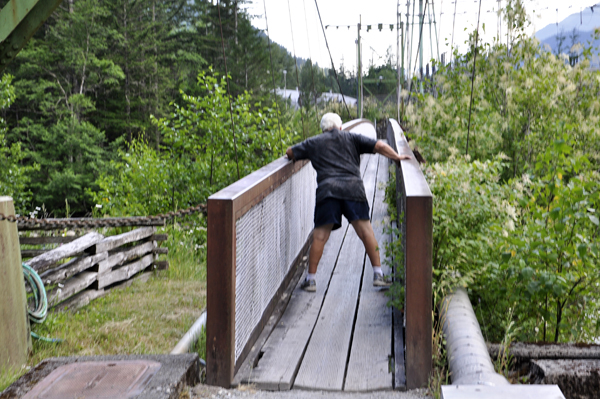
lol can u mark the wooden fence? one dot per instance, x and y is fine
(95, 264)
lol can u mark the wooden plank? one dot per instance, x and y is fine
(45, 261)
(284, 349)
(113, 242)
(399, 362)
(31, 253)
(124, 272)
(15, 339)
(46, 240)
(369, 367)
(74, 285)
(79, 300)
(71, 268)
(324, 362)
(161, 265)
(159, 237)
(123, 255)
(161, 250)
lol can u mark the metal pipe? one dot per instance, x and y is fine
(468, 358)
(184, 345)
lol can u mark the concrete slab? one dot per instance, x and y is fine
(578, 378)
(162, 377)
(501, 392)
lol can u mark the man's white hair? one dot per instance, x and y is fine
(330, 121)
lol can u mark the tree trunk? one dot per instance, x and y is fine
(127, 74)
(157, 131)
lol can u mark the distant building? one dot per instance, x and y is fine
(294, 95)
(337, 97)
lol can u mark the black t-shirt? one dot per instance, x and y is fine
(335, 155)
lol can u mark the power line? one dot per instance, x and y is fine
(296, 63)
(331, 58)
(419, 46)
(473, 75)
(237, 162)
(273, 77)
(453, 25)
(312, 74)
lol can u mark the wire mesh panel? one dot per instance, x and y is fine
(268, 239)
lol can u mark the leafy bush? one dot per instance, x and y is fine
(199, 154)
(13, 176)
(547, 275)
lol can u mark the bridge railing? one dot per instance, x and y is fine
(414, 202)
(259, 228)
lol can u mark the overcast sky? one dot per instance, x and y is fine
(303, 30)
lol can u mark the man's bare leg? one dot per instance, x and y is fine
(320, 237)
(364, 230)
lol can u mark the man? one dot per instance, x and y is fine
(335, 155)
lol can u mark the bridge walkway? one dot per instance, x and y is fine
(342, 337)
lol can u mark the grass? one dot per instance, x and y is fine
(145, 318)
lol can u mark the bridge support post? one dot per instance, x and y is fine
(15, 337)
(418, 305)
(220, 303)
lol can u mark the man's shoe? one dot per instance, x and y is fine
(381, 281)
(309, 286)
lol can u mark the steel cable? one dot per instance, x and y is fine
(296, 63)
(273, 77)
(237, 162)
(331, 58)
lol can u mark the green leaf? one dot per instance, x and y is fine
(594, 219)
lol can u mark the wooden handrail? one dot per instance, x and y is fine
(224, 209)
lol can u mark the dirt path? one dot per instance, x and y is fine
(204, 391)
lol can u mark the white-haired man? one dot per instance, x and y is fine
(335, 155)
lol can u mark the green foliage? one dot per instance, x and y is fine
(13, 175)
(199, 154)
(548, 269)
(521, 96)
(468, 202)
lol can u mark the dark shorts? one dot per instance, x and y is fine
(330, 210)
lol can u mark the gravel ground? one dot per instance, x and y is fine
(205, 391)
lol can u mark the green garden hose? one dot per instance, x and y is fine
(37, 315)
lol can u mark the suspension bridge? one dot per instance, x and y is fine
(263, 329)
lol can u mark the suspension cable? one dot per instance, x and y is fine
(237, 162)
(418, 47)
(473, 76)
(453, 24)
(296, 63)
(273, 76)
(331, 58)
(312, 74)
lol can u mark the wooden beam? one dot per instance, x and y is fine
(19, 20)
(45, 261)
(113, 242)
(45, 240)
(69, 269)
(15, 340)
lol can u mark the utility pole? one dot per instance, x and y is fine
(421, 21)
(359, 109)
(398, 30)
(405, 42)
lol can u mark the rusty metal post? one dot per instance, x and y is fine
(418, 305)
(220, 301)
(415, 202)
(15, 337)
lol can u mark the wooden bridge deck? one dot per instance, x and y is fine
(341, 338)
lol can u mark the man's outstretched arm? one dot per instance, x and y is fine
(290, 154)
(387, 151)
